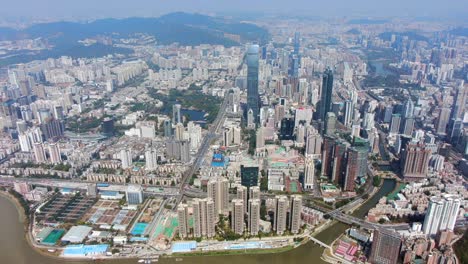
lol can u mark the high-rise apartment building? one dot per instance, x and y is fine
(281, 211)
(241, 194)
(309, 174)
(237, 216)
(295, 213)
(441, 214)
(151, 158)
(218, 191)
(254, 192)
(54, 153)
(204, 217)
(415, 160)
(126, 158)
(254, 216)
(182, 216)
(39, 153)
(176, 117)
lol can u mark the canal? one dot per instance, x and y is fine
(15, 249)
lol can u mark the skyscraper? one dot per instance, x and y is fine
(249, 175)
(458, 109)
(126, 158)
(54, 153)
(443, 120)
(441, 214)
(254, 192)
(254, 216)
(295, 213)
(326, 94)
(260, 140)
(39, 153)
(167, 128)
(176, 118)
(280, 214)
(348, 113)
(395, 124)
(237, 216)
(252, 81)
(385, 248)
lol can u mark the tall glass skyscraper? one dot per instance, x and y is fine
(326, 96)
(252, 80)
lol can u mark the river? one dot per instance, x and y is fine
(15, 249)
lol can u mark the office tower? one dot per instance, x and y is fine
(330, 123)
(204, 217)
(385, 247)
(260, 140)
(395, 124)
(241, 194)
(415, 160)
(54, 153)
(408, 110)
(297, 42)
(327, 156)
(303, 115)
(251, 119)
(254, 192)
(182, 217)
(313, 142)
(176, 118)
(352, 168)
(249, 175)
(52, 128)
(280, 214)
(126, 158)
(151, 158)
(167, 128)
(441, 214)
(443, 120)
(407, 127)
(179, 131)
(287, 129)
(295, 213)
(326, 94)
(348, 113)
(252, 81)
(458, 109)
(237, 216)
(254, 216)
(107, 126)
(134, 194)
(309, 174)
(455, 130)
(387, 118)
(218, 191)
(39, 153)
(339, 162)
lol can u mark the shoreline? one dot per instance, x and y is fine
(27, 236)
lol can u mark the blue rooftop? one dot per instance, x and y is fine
(184, 246)
(85, 250)
(109, 193)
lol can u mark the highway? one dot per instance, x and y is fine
(212, 134)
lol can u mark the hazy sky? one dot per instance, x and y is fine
(69, 9)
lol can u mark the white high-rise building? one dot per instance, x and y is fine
(182, 216)
(254, 192)
(254, 216)
(134, 194)
(126, 158)
(54, 153)
(237, 216)
(281, 211)
(313, 143)
(309, 174)
(242, 195)
(25, 143)
(441, 214)
(179, 131)
(218, 191)
(260, 138)
(151, 157)
(204, 217)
